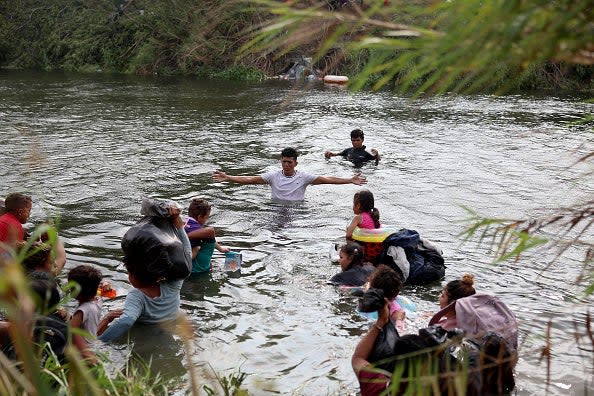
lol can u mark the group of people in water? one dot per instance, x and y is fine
(156, 299)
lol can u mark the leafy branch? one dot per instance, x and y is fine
(565, 228)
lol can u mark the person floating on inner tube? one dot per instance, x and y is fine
(356, 154)
(366, 217)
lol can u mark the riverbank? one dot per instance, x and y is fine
(201, 39)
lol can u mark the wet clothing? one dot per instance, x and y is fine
(288, 188)
(193, 225)
(355, 276)
(51, 329)
(138, 307)
(200, 263)
(141, 308)
(371, 250)
(91, 311)
(357, 156)
(372, 383)
(367, 221)
(11, 228)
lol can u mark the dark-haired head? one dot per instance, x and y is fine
(199, 207)
(19, 205)
(354, 252)
(357, 134)
(88, 278)
(38, 257)
(136, 265)
(387, 280)
(366, 202)
(290, 152)
(459, 288)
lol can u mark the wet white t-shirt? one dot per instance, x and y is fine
(288, 188)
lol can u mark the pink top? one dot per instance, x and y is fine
(400, 324)
(448, 323)
(394, 307)
(367, 221)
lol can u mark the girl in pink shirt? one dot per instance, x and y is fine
(366, 216)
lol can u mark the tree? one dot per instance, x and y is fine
(440, 46)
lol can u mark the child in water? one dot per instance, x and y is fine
(87, 314)
(387, 280)
(202, 239)
(368, 217)
(354, 271)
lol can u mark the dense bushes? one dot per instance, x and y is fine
(141, 37)
(203, 38)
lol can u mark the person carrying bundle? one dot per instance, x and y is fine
(157, 256)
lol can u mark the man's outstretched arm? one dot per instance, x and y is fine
(222, 177)
(358, 180)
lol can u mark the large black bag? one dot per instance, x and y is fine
(417, 260)
(487, 362)
(383, 353)
(154, 243)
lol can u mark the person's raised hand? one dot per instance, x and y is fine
(224, 249)
(219, 176)
(358, 180)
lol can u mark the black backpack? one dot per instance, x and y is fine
(51, 330)
(423, 264)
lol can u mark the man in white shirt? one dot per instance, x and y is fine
(288, 184)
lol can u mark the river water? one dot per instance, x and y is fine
(88, 148)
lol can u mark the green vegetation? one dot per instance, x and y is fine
(141, 37)
(37, 369)
(435, 47)
(416, 45)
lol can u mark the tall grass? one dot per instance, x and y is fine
(38, 371)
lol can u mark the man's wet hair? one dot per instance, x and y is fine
(16, 201)
(357, 133)
(290, 152)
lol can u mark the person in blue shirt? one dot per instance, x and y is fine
(149, 302)
(358, 153)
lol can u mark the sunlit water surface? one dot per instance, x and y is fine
(89, 148)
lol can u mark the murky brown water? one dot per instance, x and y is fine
(89, 147)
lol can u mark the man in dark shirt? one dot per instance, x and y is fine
(356, 154)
